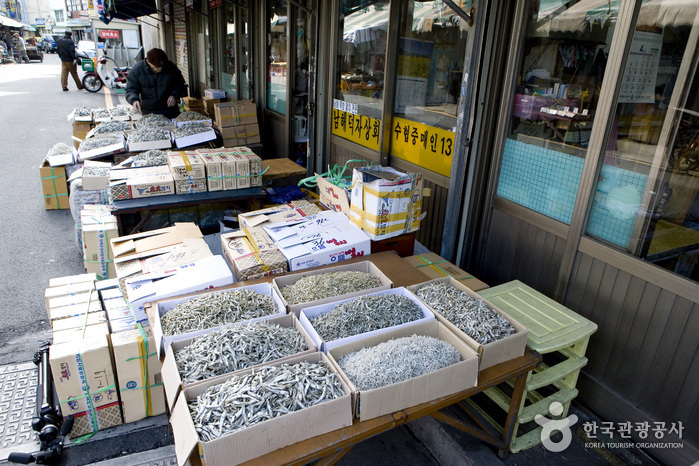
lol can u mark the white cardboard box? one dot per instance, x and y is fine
(163, 306)
(257, 440)
(369, 404)
(197, 185)
(492, 353)
(195, 139)
(116, 148)
(214, 180)
(172, 380)
(311, 312)
(142, 186)
(148, 145)
(328, 248)
(365, 266)
(186, 165)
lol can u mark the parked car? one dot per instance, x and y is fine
(48, 42)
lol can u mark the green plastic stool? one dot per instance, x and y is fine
(552, 328)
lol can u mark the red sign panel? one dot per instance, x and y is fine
(215, 3)
(109, 34)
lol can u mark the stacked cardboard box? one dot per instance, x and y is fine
(237, 123)
(193, 104)
(54, 186)
(98, 227)
(209, 103)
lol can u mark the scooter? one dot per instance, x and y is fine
(97, 76)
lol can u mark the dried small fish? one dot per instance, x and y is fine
(118, 111)
(96, 171)
(364, 314)
(397, 360)
(191, 129)
(149, 133)
(83, 111)
(237, 347)
(112, 127)
(191, 116)
(468, 313)
(154, 119)
(215, 309)
(150, 158)
(265, 393)
(326, 285)
(60, 149)
(97, 142)
(100, 113)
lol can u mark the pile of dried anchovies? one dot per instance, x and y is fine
(215, 309)
(149, 133)
(100, 113)
(150, 158)
(83, 111)
(326, 285)
(59, 149)
(237, 347)
(468, 313)
(397, 360)
(364, 314)
(97, 142)
(191, 129)
(118, 111)
(190, 116)
(96, 171)
(154, 119)
(112, 127)
(266, 393)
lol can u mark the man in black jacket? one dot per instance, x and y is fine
(155, 84)
(66, 52)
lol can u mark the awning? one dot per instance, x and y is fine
(132, 9)
(11, 23)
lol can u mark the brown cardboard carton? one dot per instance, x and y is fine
(240, 135)
(138, 374)
(80, 130)
(492, 353)
(186, 165)
(172, 380)
(85, 384)
(245, 444)
(369, 404)
(242, 112)
(435, 266)
(54, 186)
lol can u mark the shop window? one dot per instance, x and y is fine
(563, 60)
(277, 60)
(431, 51)
(646, 200)
(234, 72)
(361, 57)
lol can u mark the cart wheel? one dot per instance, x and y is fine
(92, 83)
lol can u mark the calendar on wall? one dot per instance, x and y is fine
(638, 84)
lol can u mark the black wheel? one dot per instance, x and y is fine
(92, 83)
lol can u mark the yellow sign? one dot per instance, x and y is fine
(423, 145)
(361, 129)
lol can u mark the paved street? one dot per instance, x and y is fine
(36, 244)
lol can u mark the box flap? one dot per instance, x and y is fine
(186, 437)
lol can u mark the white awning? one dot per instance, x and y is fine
(11, 23)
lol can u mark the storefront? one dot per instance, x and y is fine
(559, 141)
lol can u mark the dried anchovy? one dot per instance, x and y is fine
(191, 129)
(190, 116)
(149, 133)
(95, 143)
(112, 127)
(154, 119)
(59, 149)
(238, 347)
(364, 314)
(150, 158)
(83, 111)
(118, 111)
(215, 309)
(468, 313)
(326, 285)
(100, 113)
(397, 360)
(96, 171)
(266, 393)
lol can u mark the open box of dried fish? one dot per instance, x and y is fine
(339, 322)
(110, 127)
(190, 316)
(260, 410)
(120, 112)
(150, 158)
(82, 114)
(188, 117)
(231, 349)
(404, 367)
(154, 119)
(149, 137)
(305, 289)
(192, 134)
(496, 336)
(101, 145)
(101, 114)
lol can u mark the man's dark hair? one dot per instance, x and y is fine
(156, 57)
(68, 33)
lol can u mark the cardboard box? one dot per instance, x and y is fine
(492, 353)
(249, 262)
(163, 306)
(98, 228)
(72, 279)
(138, 374)
(209, 105)
(80, 368)
(364, 266)
(256, 169)
(125, 325)
(369, 404)
(187, 141)
(328, 247)
(148, 145)
(75, 334)
(117, 147)
(212, 164)
(78, 298)
(215, 93)
(92, 177)
(128, 127)
(72, 310)
(242, 170)
(385, 202)
(309, 313)
(80, 130)
(245, 444)
(240, 135)
(239, 113)
(142, 186)
(197, 185)
(67, 290)
(186, 165)
(54, 186)
(229, 171)
(435, 266)
(110, 292)
(203, 119)
(172, 380)
(193, 102)
(91, 318)
(333, 197)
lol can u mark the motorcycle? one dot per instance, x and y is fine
(97, 74)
